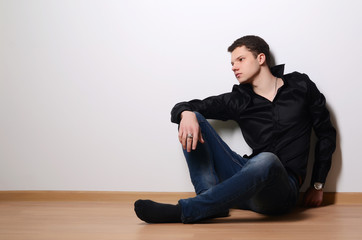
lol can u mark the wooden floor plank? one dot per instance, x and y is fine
(115, 219)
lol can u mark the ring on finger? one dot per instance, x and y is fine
(190, 135)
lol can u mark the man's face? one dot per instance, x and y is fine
(244, 64)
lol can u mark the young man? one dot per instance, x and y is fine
(276, 114)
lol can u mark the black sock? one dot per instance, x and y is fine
(153, 212)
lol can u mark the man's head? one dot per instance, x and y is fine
(254, 44)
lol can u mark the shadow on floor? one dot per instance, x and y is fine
(237, 216)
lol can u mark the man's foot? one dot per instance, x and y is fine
(153, 212)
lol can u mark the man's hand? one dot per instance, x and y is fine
(313, 197)
(189, 125)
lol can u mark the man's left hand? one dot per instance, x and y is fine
(313, 197)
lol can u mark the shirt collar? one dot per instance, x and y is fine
(278, 70)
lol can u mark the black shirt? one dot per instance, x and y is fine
(282, 126)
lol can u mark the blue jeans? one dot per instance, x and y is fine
(223, 179)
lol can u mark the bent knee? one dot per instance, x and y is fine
(200, 117)
(267, 160)
(267, 157)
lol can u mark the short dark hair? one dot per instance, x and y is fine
(254, 44)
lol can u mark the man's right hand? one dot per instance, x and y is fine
(189, 126)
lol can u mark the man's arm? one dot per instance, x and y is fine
(325, 145)
(221, 107)
(189, 130)
(215, 107)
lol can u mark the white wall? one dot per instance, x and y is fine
(86, 87)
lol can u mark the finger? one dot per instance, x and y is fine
(316, 203)
(189, 143)
(201, 138)
(180, 135)
(311, 203)
(182, 138)
(195, 140)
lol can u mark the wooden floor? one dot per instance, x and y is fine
(111, 218)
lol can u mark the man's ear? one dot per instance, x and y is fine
(261, 58)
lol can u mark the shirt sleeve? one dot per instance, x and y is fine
(325, 132)
(219, 107)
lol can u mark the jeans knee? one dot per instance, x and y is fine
(267, 162)
(268, 157)
(200, 117)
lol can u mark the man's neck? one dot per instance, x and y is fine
(265, 84)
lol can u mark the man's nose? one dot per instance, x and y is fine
(234, 68)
